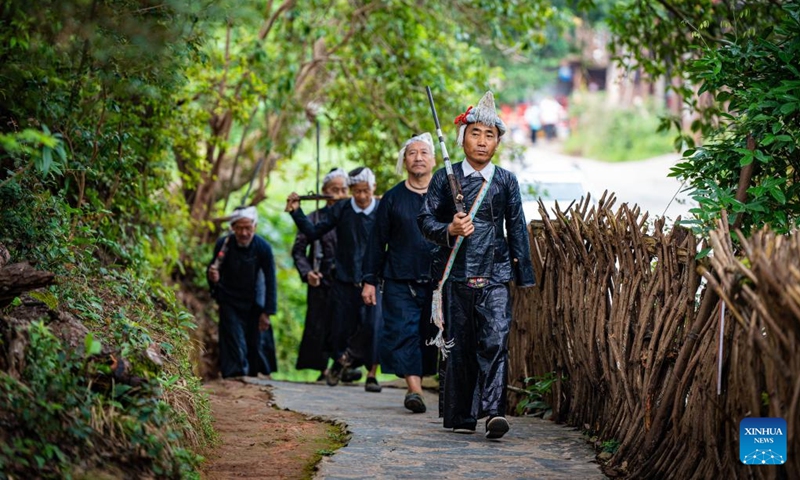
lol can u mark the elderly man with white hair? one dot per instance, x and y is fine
(242, 278)
(399, 259)
(355, 325)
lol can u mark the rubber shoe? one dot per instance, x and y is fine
(372, 385)
(496, 427)
(415, 403)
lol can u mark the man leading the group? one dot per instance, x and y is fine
(476, 303)
(398, 256)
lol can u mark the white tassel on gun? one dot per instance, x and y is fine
(437, 318)
(437, 312)
(443, 345)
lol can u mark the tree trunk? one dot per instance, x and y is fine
(19, 278)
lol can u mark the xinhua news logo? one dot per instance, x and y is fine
(762, 441)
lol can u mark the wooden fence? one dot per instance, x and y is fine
(631, 320)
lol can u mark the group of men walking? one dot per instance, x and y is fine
(379, 270)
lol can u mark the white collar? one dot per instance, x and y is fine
(365, 211)
(486, 172)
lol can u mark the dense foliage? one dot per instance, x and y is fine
(735, 65)
(87, 90)
(749, 165)
(361, 67)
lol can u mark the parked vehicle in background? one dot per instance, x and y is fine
(563, 187)
(552, 177)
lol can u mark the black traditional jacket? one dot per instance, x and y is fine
(396, 248)
(303, 251)
(352, 232)
(247, 275)
(499, 249)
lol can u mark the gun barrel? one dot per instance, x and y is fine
(316, 197)
(433, 110)
(455, 188)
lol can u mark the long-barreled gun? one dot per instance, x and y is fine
(316, 262)
(314, 196)
(455, 187)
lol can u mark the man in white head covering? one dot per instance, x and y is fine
(242, 277)
(398, 257)
(315, 264)
(478, 253)
(355, 326)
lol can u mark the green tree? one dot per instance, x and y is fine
(362, 66)
(86, 90)
(735, 66)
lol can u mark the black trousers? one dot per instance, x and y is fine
(355, 326)
(406, 327)
(243, 349)
(478, 320)
(314, 347)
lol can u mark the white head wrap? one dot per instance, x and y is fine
(335, 173)
(244, 212)
(359, 175)
(484, 113)
(401, 157)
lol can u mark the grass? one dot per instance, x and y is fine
(337, 438)
(614, 133)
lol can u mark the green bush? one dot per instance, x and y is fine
(538, 388)
(66, 414)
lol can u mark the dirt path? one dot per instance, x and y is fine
(257, 440)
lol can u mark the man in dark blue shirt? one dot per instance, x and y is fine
(246, 302)
(356, 325)
(398, 256)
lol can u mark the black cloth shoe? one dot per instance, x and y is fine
(414, 402)
(464, 429)
(372, 385)
(496, 427)
(351, 375)
(335, 372)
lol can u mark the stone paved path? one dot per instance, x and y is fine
(390, 442)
